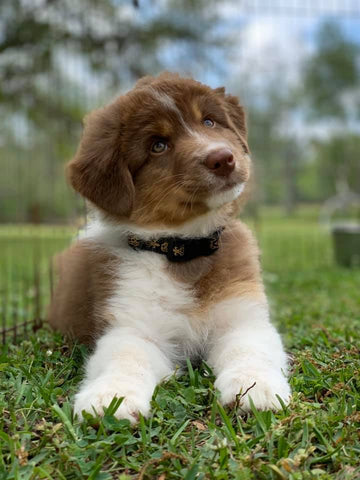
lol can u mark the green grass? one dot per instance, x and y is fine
(189, 435)
(25, 253)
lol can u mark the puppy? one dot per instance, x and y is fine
(164, 270)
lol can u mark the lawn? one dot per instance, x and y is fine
(316, 306)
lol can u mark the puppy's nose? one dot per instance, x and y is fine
(220, 162)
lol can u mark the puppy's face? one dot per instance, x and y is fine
(165, 152)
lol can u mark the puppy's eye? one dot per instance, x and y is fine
(159, 146)
(208, 122)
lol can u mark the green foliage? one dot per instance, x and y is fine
(277, 156)
(294, 166)
(331, 72)
(337, 159)
(61, 59)
(113, 42)
(110, 44)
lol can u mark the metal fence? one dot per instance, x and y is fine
(47, 89)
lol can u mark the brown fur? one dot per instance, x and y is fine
(85, 281)
(115, 148)
(236, 269)
(115, 169)
(233, 270)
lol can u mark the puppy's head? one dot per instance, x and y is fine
(169, 150)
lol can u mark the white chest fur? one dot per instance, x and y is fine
(147, 298)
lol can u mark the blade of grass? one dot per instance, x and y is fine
(191, 373)
(179, 431)
(66, 421)
(229, 427)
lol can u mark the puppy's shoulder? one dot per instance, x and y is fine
(239, 240)
(84, 277)
(87, 261)
(238, 255)
(235, 270)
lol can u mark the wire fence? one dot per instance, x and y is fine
(27, 277)
(39, 214)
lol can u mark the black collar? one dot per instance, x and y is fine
(179, 249)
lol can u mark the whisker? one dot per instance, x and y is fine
(163, 193)
(160, 198)
(168, 177)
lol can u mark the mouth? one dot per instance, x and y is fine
(228, 193)
(229, 185)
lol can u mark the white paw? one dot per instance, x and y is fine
(99, 393)
(262, 386)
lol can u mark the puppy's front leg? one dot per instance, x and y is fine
(124, 364)
(247, 355)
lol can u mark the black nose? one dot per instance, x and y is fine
(220, 162)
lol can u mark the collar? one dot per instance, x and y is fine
(178, 249)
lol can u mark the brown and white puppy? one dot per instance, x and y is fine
(167, 160)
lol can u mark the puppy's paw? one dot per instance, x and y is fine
(99, 394)
(261, 386)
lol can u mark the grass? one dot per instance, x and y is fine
(25, 253)
(189, 435)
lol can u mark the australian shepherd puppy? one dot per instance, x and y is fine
(164, 270)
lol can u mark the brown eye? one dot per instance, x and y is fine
(159, 147)
(208, 122)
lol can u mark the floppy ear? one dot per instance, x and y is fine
(99, 171)
(236, 115)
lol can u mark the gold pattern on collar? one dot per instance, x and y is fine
(133, 241)
(152, 244)
(179, 251)
(164, 247)
(214, 243)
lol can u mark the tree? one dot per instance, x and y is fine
(111, 42)
(59, 59)
(332, 74)
(273, 143)
(338, 163)
(331, 87)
